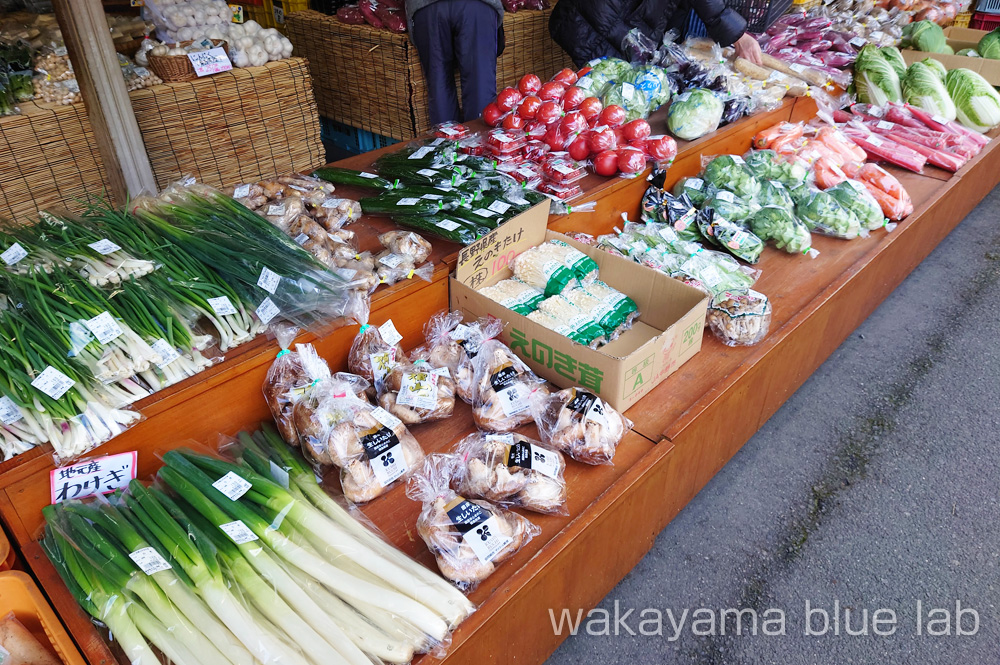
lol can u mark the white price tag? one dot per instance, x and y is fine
(346, 273)
(409, 201)
(875, 112)
(430, 173)
(420, 153)
(432, 197)
(386, 418)
(448, 225)
(222, 306)
(486, 540)
(857, 42)
(212, 61)
(798, 68)
(149, 560)
(101, 475)
(274, 210)
(483, 212)
(391, 260)
(695, 183)
(595, 413)
(941, 120)
(874, 140)
(104, 246)
(104, 328)
(268, 280)
(301, 239)
(501, 137)
(167, 353)
(13, 254)
(738, 159)
(389, 333)
(232, 485)
(545, 462)
(52, 382)
(725, 196)
(241, 192)
(266, 311)
(238, 532)
(9, 412)
(884, 124)
(366, 174)
(419, 390)
(514, 399)
(499, 207)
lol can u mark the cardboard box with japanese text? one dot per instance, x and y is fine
(667, 333)
(958, 39)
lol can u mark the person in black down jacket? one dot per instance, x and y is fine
(588, 29)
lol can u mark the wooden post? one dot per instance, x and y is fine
(102, 85)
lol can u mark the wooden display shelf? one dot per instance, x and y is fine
(685, 430)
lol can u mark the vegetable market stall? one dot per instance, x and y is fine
(686, 429)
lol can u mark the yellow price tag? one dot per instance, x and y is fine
(137, 3)
(237, 13)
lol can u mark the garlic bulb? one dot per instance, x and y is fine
(251, 27)
(236, 31)
(185, 34)
(247, 42)
(176, 51)
(214, 33)
(272, 45)
(286, 47)
(159, 49)
(239, 57)
(258, 56)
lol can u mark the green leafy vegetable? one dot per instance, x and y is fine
(926, 36)
(774, 193)
(655, 83)
(936, 66)
(855, 197)
(924, 89)
(969, 53)
(822, 213)
(989, 45)
(696, 189)
(731, 173)
(629, 97)
(875, 80)
(695, 113)
(780, 225)
(976, 102)
(894, 58)
(729, 206)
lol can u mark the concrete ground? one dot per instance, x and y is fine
(875, 487)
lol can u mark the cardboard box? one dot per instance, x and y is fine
(667, 334)
(958, 39)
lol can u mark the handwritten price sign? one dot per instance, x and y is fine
(211, 61)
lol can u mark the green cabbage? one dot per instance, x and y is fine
(854, 196)
(894, 58)
(731, 173)
(655, 83)
(595, 84)
(822, 213)
(629, 97)
(989, 45)
(695, 113)
(922, 88)
(780, 225)
(927, 36)
(774, 193)
(969, 53)
(936, 67)
(875, 81)
(976, 102)
(613, 68)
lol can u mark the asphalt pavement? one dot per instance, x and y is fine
(870, 497)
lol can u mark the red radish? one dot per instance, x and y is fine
(601, 140)
(613, 116)
(573, 123)
(529, 84)
(606, 163)
(492, 115)
(591, 107)
(573, 98)
(529, 107)
(534, 129)
(631, 160)
(566, 77)
(555, 138)
(507, 99)
(661, 148)
(552, 90)
(513, 121)
(636, 130)
(549, 112)
(580, 148)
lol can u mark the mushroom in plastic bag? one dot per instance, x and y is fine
(740, 319)
(580, 424)
(453, 344)
(371, 356)
(417, 392)
(468, 537)
(288, 381)
(502, 386)
(406, 243)
(512, 470)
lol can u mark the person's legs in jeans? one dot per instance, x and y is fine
(476, 27)
(432, 35)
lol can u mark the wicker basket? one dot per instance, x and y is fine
(128, 47)
(173, 68)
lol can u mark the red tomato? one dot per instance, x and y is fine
(573, 123)
(591, 107)
(573, 98)
(619, 136)
(606, 163)
(549, 112)
(631, 160)
(552, 90)
(555, 138)
(507, 99)
(636, 130)
(601, 140)
(567, 77)
(529, 107)
(580, 148)
(513, 121)
(529, 84)
(492, 115)
(535, 129)
(661, 148)
(613, 116)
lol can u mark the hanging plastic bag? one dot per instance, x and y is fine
(453, 344)
(502, 388)
(417, 392)
(284, 375)
(580, 424)
(371, 355)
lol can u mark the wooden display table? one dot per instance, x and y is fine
(685, 430)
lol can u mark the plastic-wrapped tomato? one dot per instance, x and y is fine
(513, 121)
(591, 108)
(606, 163)
(507, 99)
(534, 129)
(661, 148)
(560, 191)
(573, 123)
(613, 116)
(552, 91)
(529, 84)
(472, 145)
(536, 150)
(631, 160)
(567, 77)
(528, 174)
(573, 98)
(562, 170)
(492, 115)
(602, 139)
(636, 130)
(529, 107)
(579, 149)
(555, 138)
(549, 112)
(450, 130)
(503, 142)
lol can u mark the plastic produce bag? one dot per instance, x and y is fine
(696, 189)
(408, 244)
(468, 537)
(854, 196)
(582, 326)
(285, 375)
(417, 392)
(774, 193)
(694, 114)
(777, 223)
(542, 267)
(502, 388)
(821, 212)
(731, 173)
(580, 424)
(371, 355)
(515, 295)
(453, 344)
(740, 319)
(512, 470)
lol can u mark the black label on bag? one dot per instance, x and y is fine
(466, 515)
(503, 377)
(378, 440)
(581, 402)
(519, 454)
